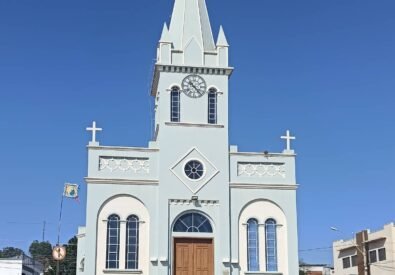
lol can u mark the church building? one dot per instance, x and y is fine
(189, 203)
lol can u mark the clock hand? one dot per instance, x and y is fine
(194, 86)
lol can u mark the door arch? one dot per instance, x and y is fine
(193, 245)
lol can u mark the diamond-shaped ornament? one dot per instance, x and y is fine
(182, 170)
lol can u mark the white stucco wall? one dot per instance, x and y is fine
(81, 251)
(10, 267)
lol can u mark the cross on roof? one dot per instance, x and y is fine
(288, 138)
(94, 130)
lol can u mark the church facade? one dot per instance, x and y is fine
(190, 203)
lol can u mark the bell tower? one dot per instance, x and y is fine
(189, 60)
(190, 86)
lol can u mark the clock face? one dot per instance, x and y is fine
(194, 86)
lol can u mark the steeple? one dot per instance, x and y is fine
(190, 21)
(187, 45)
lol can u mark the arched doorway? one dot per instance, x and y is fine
(193, 245)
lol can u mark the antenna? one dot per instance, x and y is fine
(44, 230)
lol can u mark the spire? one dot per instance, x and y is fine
(222, 41)
(165, 37)
(190, 21)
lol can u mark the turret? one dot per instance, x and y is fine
(164, 47)
(222, 49)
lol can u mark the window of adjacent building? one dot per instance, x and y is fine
(350, 261)
(271, 245)
(175, 104)
(354, 261)
(377, 255)
(113, 227)
(212, 106)
(372, 256)
(382, 254)
(346, 262)
(252, 245)
(132, 242)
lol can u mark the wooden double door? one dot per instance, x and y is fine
(193, 256)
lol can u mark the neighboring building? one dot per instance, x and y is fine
(316, 269)
(189, 203)
(374, 251)
(20, 265)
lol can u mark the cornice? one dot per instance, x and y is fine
(263, 186)
(119, 148)
(121, 181)
(205, 70)
(262, 154)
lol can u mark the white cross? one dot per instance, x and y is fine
(288, 138)
(94, 130)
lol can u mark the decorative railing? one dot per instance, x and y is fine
(125, 164)
(260, 169)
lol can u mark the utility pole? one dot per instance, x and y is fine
(362, 252)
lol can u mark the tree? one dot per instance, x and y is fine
(42, 252)
(10, 252)
(69, 265)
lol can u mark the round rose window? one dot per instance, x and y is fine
(194, 169)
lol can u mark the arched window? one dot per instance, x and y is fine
(252, 245)
(132, 242)
(112, 259)
(193, 222)
(271, 245)
(175, 104)
(212, 106)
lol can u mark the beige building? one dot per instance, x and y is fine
(369, 253)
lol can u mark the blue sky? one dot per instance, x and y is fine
(323, 69)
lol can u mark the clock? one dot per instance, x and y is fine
(194, 86)
(59, 253)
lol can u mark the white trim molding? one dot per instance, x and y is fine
(120, 181)
(262, 273)
(199, 125)
(122, 271)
